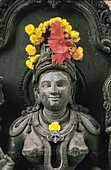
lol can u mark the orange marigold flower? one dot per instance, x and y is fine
(31, 50)
(54, 126)
(29, 29)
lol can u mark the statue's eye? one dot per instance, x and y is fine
(46, 84)
(60, 83)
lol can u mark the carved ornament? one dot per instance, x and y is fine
(107, 103)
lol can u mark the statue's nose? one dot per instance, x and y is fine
(54, 89)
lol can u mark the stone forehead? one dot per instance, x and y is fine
(54, 75)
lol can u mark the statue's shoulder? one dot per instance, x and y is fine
(89, 123)
(19, 125)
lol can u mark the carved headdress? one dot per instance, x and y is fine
(58, 48)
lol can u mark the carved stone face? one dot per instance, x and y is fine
(54, 90)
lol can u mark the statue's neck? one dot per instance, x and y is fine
(54, 115)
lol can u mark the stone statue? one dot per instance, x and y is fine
(53, 132)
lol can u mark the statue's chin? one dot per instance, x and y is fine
(54, 106)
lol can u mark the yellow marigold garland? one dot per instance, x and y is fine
(31, 50)
(80, 52)
(33, 38)
(37, 36)
(29, 64)
(32, 60)
(35, 58)
(30, 29)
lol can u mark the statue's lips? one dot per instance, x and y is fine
(54, 98)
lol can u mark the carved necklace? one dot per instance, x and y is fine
(63, 136)
(60, 120)
(50, 135)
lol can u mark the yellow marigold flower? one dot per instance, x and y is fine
(78, 55)
(29, 29)
(29, 64)
(38, 32)
(71, 40)
(51, 21)
(76, 40)
(70, 52)
(35, 58)
(74, 34)
(43, 29)
(48, 22)
(45, 24)
(40, 26)
(40, 40)
(33, 38)
(38, 43)
(66, 35)
(54, 126)
(58, 18)
(71, 49)
(31, 50)
(68, 28)
(64, 23)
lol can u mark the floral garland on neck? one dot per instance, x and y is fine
(61, 39)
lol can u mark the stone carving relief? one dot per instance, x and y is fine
(53, 132)
(29, 134)
(107, 106)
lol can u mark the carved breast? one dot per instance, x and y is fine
(34, 148)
